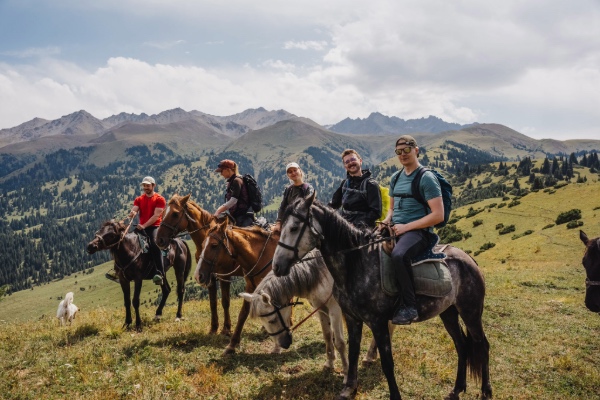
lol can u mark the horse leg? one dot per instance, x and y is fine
(166, 289)
(354, 337)
(212, 297)
(371, 355)
(137, 288)
(180, 293)
(237, 333)
(328, 338)
(478, 351)
(452, 325)
(337, 325)
(381, 334)
(225, 301)
(125, 287)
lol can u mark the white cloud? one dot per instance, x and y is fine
(33, 52)
(305, 45)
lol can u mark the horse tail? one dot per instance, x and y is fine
(68, 300)
(477, 356)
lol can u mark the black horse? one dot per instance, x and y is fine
(132, 264)
(353, 263)
(591, 263)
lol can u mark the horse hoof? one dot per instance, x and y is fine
(226, 332)
(347, 393)
(452, 396)
(212, 332)
(157, 317)
(367, 362)
(228, 351)
(177, 319)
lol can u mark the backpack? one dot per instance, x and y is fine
(416, 192)
(385, 198)
(254, 193)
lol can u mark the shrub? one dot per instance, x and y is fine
(505, 198)
(467, 235)
(548, 226)
(574, 224)
(507, 229)
(571, 215)
(527, 232)
(514, 203)
(450, 234)
(559, 185)
(501, 205)
(472, 212)
(492, 205)
(499, 226)
(487, 246)
(477, 222)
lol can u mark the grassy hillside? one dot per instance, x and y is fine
(544, 343)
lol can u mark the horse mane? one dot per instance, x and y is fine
(253, 229)
(302, 279)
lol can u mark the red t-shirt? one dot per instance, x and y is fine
(147, 205)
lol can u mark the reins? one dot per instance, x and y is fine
(277, 310)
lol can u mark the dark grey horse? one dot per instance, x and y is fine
(131, 264)
(308, 224)
(591, 263)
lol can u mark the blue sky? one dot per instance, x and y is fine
(533, 66)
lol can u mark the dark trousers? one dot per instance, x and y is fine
(409, 246)
(246, 219)
(155, 252)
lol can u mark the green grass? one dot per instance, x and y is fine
(544, 343)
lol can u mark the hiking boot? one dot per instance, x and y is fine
(405, 315)
(158, 280)
(111, 275)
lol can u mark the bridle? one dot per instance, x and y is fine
(278, 308)
(306, 223)
(175, 228)
(589, 283)
(118, 242)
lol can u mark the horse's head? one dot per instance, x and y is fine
(216, 251)
(175, 219)
(109, 235)
(591, 263)
(275, 318)
(300, 233)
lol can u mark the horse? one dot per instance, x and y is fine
(353, 261)
(591, 263)
(132, 264)
(231, 251)
(310, 280)
(183, 215)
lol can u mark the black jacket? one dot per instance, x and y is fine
(360, 199)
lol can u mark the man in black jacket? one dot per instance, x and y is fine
(358, 195)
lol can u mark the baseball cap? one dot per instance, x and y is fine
(225, 164)
(407, 140)
(149, 180)
(291, 165)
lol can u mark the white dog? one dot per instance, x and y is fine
(67, 310)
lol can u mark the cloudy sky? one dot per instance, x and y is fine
(531, 65)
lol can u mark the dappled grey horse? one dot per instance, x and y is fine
(591, 263)
(307, 224)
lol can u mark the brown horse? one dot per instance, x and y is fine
(132, 264)
(591, 263)
(232, 251)
(183, 215)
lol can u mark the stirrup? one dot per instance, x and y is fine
(111, 277)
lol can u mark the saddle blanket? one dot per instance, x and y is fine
(432, 277)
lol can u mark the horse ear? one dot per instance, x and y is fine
(184, 199)
(308, 201)
(583, 237)
(246, 296)
(265, 297)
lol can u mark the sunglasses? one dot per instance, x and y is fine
(404, 150)
(348, 161)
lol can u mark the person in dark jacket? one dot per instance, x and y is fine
(297, 188)
(236, 195)
(358, 195)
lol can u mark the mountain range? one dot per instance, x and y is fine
(263, 134)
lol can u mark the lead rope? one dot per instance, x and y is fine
(311, 314)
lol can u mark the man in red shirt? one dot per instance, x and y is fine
(150, 206)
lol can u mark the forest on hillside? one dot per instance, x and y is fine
(50, 211)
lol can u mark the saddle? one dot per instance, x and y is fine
(430, 272)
